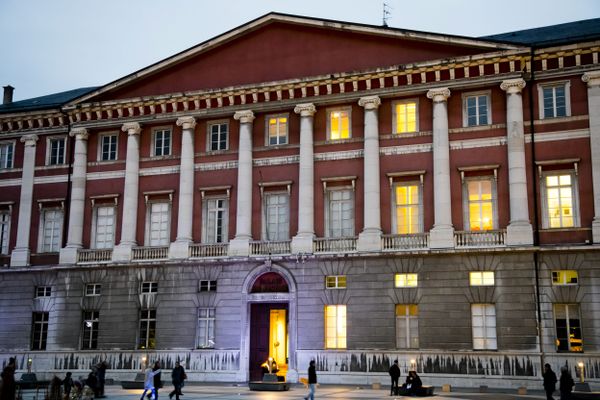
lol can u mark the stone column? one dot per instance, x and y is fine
(592, 78)
(442, 234)
(68, 254)
(303, 241)
(122, 252)
(240, 245)
(179, 248)
(21, 252)
(370, 238)
(519, 231)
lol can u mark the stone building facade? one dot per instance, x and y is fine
(310, 189)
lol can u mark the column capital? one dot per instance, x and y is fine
(244, 116)
(305, 110)
(438, 95)
(513, 86)
(29, 140)
(592, 78)
(186, 122)
(132, 128)
(79, 133)
(369, 102)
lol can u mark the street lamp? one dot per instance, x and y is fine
(413, 364)
(29, 363)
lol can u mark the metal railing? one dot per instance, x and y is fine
(334, 245)
(205, 250)
(492, 238)
(405, 242)
(270, 247)
(150, 253)
(94, 255)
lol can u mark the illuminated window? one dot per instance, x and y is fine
(93, 289)
(276, 216)
(476, 110)
(554, 100)
(56, 151)
(149, 287)
(407, 326)
(108, 147)
(340, 213)
(215, 220)
(7, 150)
(104, 227)
(483, 318)
(335, 327)
(568, 327)
(158, 228)
(39, 330)
(277, 130)
(50, 237)
(405, 116)
(339, 124)
(559, 200)
(89, 337)
(4, 230)
(208, 286)
(43, 291)
(565, 277)
(406, 280)
(162, 142)
(481, 278)
(409, 209)
(147, 338)
(205, 331)
(218, 136)
(335, 282)
(480, 207)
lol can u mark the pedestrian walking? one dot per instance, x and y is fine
(149, 383)
(549, 381)
(101, 374)
(157, 380)
(55, 389)
(566, 383)
(178, 376)
(8, 380)
(92, 383)
(67, 384)
(395, 375)
(312, 381)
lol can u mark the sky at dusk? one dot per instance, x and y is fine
(58, 45)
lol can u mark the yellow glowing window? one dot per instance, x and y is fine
(335, 282)
(481, 205)
(278, 130)
(339, 125)
(565, 277)
(408, 209)
(559, 201)
(481, 278)
(406, 117)
(406, 280)
(335, 327)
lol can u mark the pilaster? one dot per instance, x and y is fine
(592, 78)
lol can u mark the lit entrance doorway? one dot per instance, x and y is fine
(268, 337)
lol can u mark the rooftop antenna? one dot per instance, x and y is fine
(386, 13)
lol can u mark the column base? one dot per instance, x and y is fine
(179, 249)
(519, 234)
(441, 237)
(303, 244)
(239, 247)
(369, 240)
(596, 230)
(68, 255)
(122, 252)
(20, 257)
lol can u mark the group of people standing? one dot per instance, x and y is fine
(565, 385)
(153, 381)
(411, 386)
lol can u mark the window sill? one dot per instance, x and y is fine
(573, 229)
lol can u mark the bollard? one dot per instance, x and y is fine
(522, 390)
(376, 385)
(446, 388)
(483, 389)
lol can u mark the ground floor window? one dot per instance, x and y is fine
(39, 331)
(407, 326)
(484, 326)
(90, 330)
(205, 332)
(568, 327)
(335, 326)
(147, 329)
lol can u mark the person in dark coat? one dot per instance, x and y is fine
(177, 377)
(395, 375)
(157, 380)
(566, 383)
(101, 374)
(413, 383)
(8, 380)
(67, 385)
(92, 382)
(549, 381)
(312, 381)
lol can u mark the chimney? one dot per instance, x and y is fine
(8, 94)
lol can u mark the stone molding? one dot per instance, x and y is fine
(592, 78)
(29, 140)
(369, 102)
(79, 133)
(438, 95)
(186, 122)
(305, 110)
(513, 86)
(132, 128)
(244, 116)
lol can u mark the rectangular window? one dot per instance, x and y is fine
(407, 326)
(108, 147)
(565, 277)
(4, 231)
(277, 130)
(216, 220)
(555, 101)
(149, 287)
(51, 230)
(43, 291)
(104, 230)
(476, 110)
(484, 326)
(406, 280)
(208, 286)
(147, 329)
(481, 278)
(480, 207)
(405, 116)
(159, 229)
(409, 210)
(335, 282)
(39, 330)
(7, 150)
(205, 332)
(559, 192)
(277, 210)
(218, 136)
(162, 142)
(89, 339)
(335, 327)
(340, 215)
(568, 328)
(339, 124)
(93, 289)
(56, 151)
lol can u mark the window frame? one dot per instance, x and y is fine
(100, 152)
(486, 339)
(265, 214)
(465, 111)
(337, 282)
(341, 342)
(5, 226)
(151, 285)
(42, 228)
(49, 141)
(153, 147)
(209, 140)
(267, 129)
(568, 327)
(395, 206)
(43, 291)
(42, 340)
(563, 273)
(482, 278)
(148, 229)
(395, 103)
(405, 280)
(329, 111)
(4, 164)
(328, 222)
(574, 195)
(94, 227)
(209, 328)
(467, 201)
(96, 290)
(566, 84)
(150, 320)
(210, 286)
(92, 331)
(410, 320)
(225, 218)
